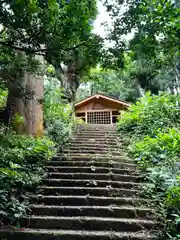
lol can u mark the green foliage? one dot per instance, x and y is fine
(115, 83)
(21, 167)
(153, 126)
(151, 114)
(156, 24)
(55, 24)
(3, 98)
(58, 31)
(148, 31)
(164, 146)
(58, 114)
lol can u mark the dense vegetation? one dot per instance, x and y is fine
(50, 56)
(58, 116)
(144, 50)
(151, 128)
(22, 158)
(35, 34)
(37, 39)
(21, 166)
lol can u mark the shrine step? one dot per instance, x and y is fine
(89, 191)
(87, 223)
(91, 169)
(98, 211)
(44, 234)
(86, 200)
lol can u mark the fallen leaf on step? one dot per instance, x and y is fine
(93, 168)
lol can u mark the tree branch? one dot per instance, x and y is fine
(39, 51)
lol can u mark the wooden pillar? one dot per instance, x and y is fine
(111, 117)
(86, 116)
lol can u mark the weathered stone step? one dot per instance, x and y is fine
(96, 138)
(90, 183)
(46, 234)
(92, 151)
(76, 200)
(93, 144)
(93, 163)
(92, 169)
(98, 211)
(98, 134)
(95, 141)
(97, 128)
(93, 147)
(94, 176)
(90, 157)
(91, 191)
(104, 133)
(86, 223)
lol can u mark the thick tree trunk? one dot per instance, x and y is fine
(24, 105)
(69, 80)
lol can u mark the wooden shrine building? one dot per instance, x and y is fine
(100, 109)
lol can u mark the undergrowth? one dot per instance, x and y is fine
(21, 166)
(22, 158)
(59, 120)
(151, 127)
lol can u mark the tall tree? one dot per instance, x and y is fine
(51, 29)
(153, 29)
(76, 63)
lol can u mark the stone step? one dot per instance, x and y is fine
(96, 129)
(90, 191)
(76, 200)
(90, 157)
(93, 144)
(86, 223)
(95, 135)
(93, 163)
(97, 132)
(92, 169)
(114, 133)
(113, 151)
(93, 147)
(95, 141)
(90, 183)
(46, 234)
(94, 176)
(98, 211)
(96, 138)
(92, 132)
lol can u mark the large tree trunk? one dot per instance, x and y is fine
(24, 104)
(69, 80)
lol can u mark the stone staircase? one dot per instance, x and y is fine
(92, 192)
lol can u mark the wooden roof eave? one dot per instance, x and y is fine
(101, 96)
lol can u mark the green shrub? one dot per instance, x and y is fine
(3, 98)
(58, 115)
(21, 167)
(164, 148)
(150, 114)
(152, 127)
